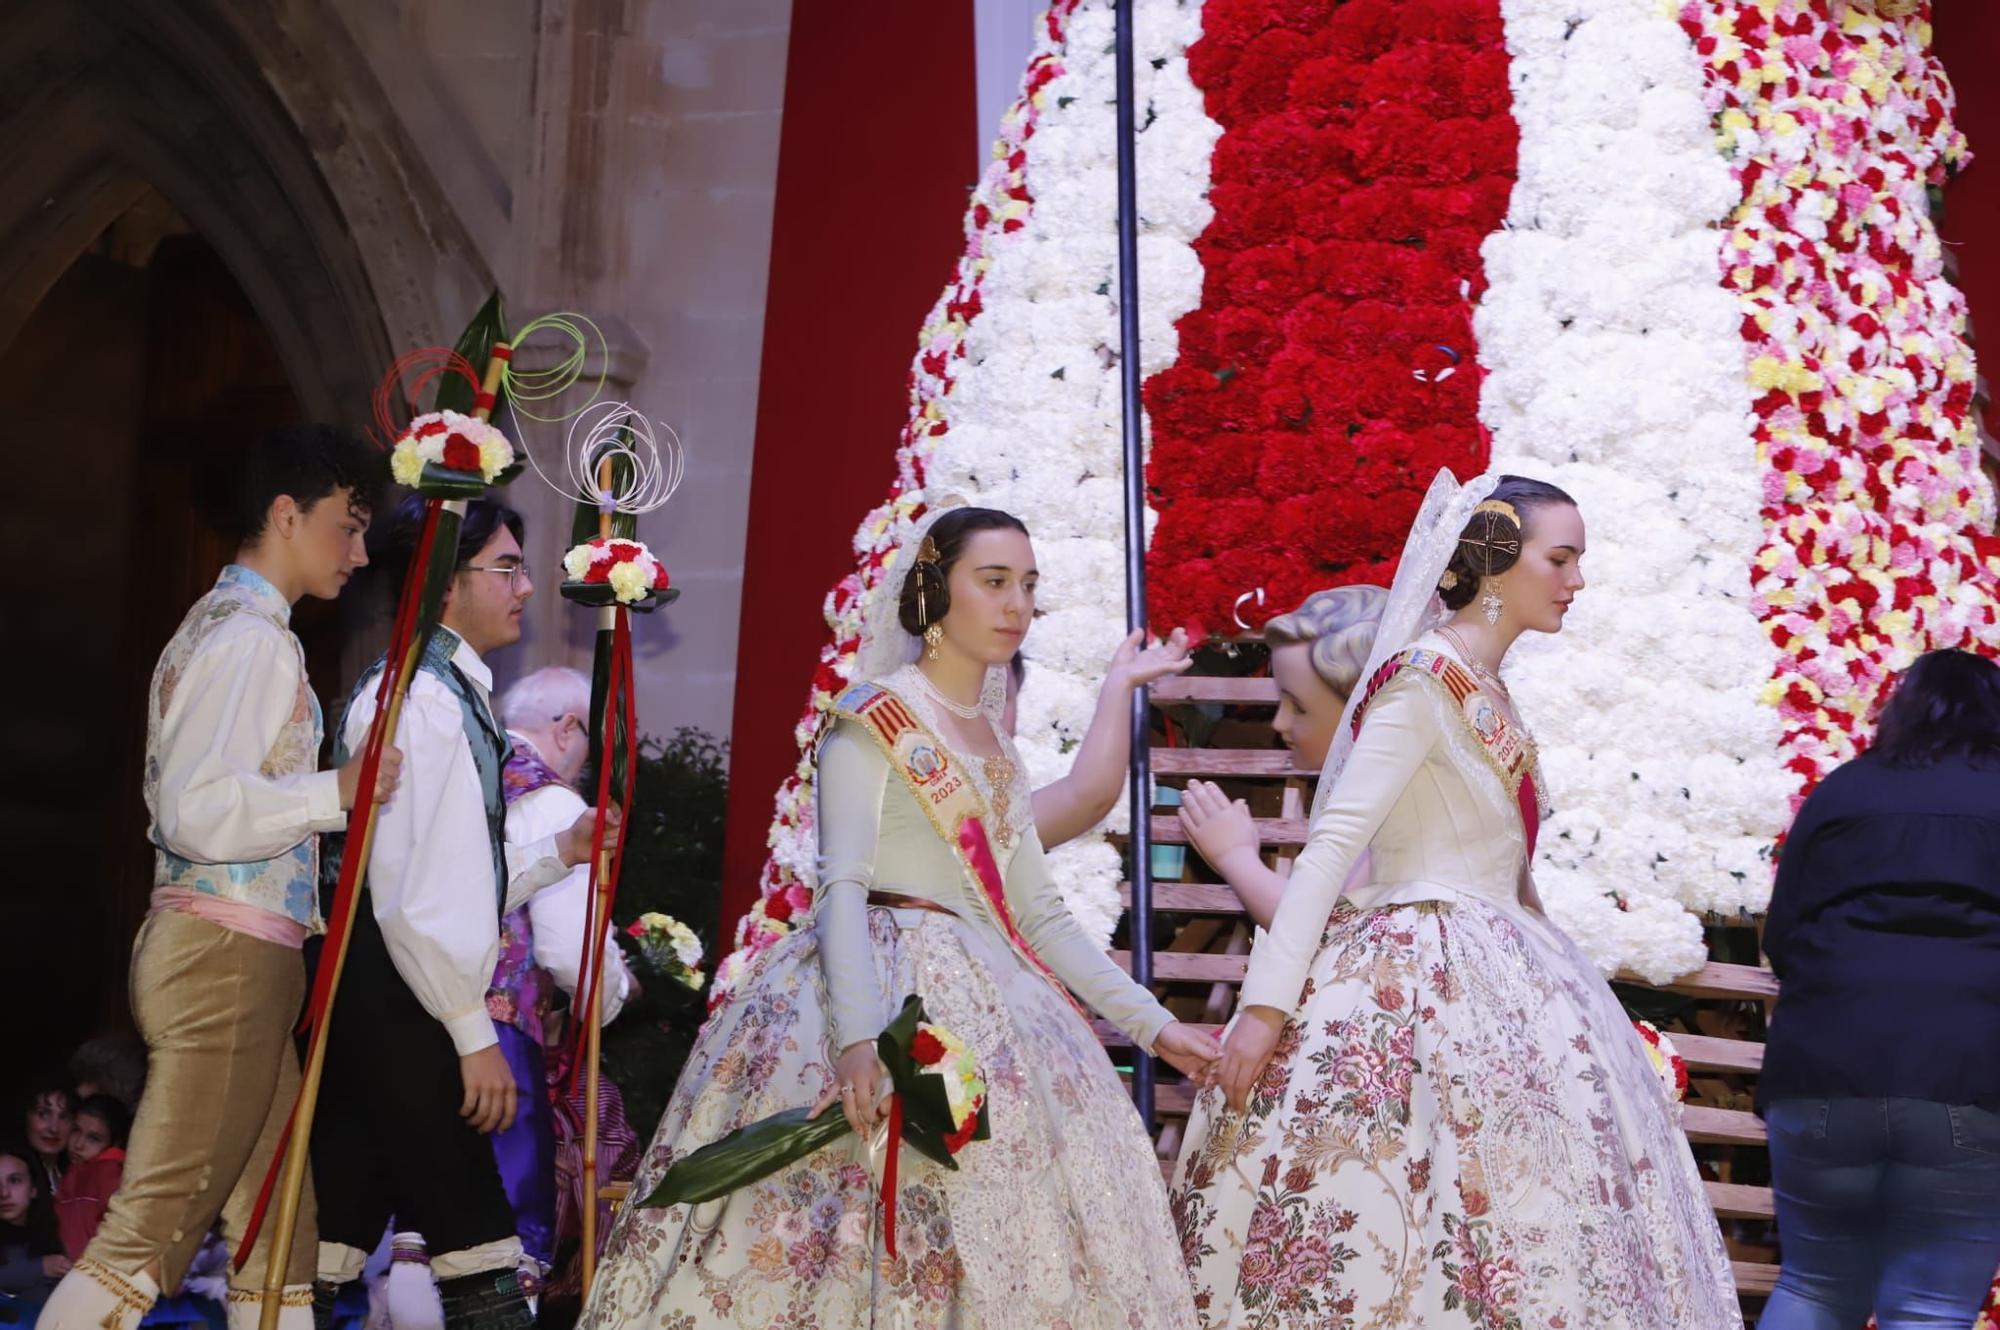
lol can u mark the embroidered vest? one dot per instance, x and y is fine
(483, 735)
(284, 884)
(522, 992)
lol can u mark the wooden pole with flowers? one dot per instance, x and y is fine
(617, 470)
(448, 456)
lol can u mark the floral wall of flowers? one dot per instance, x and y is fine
(1614, 371)
(1835, 118)
(1678, 260)
(1015, 404)
(1368, 150)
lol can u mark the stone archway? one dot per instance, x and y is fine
(321, 245)
(262, 124)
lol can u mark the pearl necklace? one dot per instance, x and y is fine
(958, 709)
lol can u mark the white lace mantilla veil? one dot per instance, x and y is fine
(1413, 607)
(886, 646)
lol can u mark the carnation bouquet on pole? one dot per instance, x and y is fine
(617, 469)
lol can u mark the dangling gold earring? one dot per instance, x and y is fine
(1490, 603)
(932, 636)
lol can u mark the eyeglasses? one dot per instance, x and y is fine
(514, 572)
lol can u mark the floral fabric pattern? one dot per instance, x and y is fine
(1459, 1128)
(1059, 1220)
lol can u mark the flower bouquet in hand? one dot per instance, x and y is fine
(667, 947)
(938, 1107)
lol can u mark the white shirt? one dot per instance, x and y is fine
(557, 913)
(215, 805)
(430, 865)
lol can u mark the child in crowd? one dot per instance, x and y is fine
(96, 1163)
(31, 1259)
(49, 1118)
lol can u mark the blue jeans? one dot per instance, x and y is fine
(1884, 1205)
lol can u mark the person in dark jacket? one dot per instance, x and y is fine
(1881, 1079)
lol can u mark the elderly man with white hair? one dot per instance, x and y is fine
(541, 944)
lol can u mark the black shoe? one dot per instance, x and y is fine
(488, 1300)
(325, 1292)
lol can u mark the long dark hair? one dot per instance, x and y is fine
(1947, 704)
(37, 1229)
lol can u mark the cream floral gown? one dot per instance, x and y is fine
(1059, 1222)
(1459, 1126)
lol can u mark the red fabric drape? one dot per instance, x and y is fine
(874, 161)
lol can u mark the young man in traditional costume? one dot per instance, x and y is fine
(415, 1077)
(238, 802)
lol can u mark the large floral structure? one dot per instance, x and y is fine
(1679, 261)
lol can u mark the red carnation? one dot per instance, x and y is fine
(777, 907)
(460, 453)
(927, 1049)
(624, 551)
(959, 1139)
(659, 577)
(431, 428)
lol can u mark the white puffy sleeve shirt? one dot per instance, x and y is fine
(430, 864)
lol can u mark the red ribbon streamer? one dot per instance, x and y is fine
(619, 706)
(889, 1174)
(313, 1021)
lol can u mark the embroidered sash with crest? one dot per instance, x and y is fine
(1506, 749)
(946, 794)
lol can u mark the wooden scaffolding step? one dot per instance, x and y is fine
(1187, 898)
(1714, 980)
(1703, 1052)
(1274, 832)
(1721, 1126)
(1734, 1200)
(1193, 690)
(1272, 762)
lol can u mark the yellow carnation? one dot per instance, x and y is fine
(405, 464)
(629, 581)
(494, 454)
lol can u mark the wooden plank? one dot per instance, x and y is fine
(1187, 897)
(1718, 979)
(1707, 1053)
(1701, 1052)
(1755, 1277)
(1275, 832)
(1227, 762)
(1723, 1126)
(1741, 981)
(1201, 966)
(1733, 1200)
(1188, 690)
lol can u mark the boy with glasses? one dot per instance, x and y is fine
(415, 1078)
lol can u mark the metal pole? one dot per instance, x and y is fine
(1135, 536)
